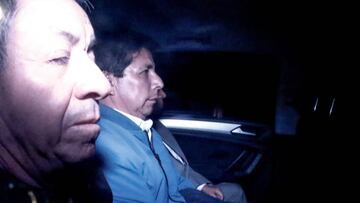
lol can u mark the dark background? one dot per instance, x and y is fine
(282, 59)
(304, 40)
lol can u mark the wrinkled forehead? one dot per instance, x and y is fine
(53, 15)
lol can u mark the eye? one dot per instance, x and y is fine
(60, 60)
(144, 71)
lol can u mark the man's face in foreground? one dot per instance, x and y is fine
(50, 84)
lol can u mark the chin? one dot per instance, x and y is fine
(87, 152)
(149, 112)
(81, 153)
(78, 142)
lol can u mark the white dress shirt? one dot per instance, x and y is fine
(144, 125)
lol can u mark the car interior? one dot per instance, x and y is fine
(250, 95)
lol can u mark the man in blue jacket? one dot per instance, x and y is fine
(136, 164)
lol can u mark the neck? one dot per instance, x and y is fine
(20, 158)
(110, 102)
(13, 158)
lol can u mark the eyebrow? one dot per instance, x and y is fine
(70, 37)
(74, 40)
(150, 66)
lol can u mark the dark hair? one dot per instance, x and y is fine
(113, 55)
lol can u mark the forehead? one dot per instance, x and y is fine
(141, 59)
(42, 16)
(144, 56)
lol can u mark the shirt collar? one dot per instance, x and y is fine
(144, 125)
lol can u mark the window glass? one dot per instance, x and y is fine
(229, 85)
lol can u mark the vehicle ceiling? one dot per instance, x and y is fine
(302, 35)
(277, 26)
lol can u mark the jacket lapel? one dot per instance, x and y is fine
(117, 118)
(169, 139)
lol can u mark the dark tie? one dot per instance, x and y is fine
(151, 144)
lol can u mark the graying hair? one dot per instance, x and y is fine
(8, 8)
(86, 5)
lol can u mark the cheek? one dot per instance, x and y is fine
(138, 98)
(131, 90)
(36, 109)
(140, 91)
(46, 110)
(34, 98)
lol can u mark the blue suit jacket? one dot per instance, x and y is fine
(129, 165)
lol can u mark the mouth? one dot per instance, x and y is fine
(89, 128)
(88, 123)
(152, 100)
(87, 119)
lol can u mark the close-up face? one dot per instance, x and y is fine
(137, 91)
(50, 85)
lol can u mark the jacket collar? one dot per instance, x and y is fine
(108, 113)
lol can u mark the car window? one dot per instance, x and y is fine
(214, 84)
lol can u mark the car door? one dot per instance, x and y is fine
(224, 150)
(223, 122)
(220, 149)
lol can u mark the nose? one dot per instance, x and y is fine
(157, 82)
(162, 94)
(92, 83)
